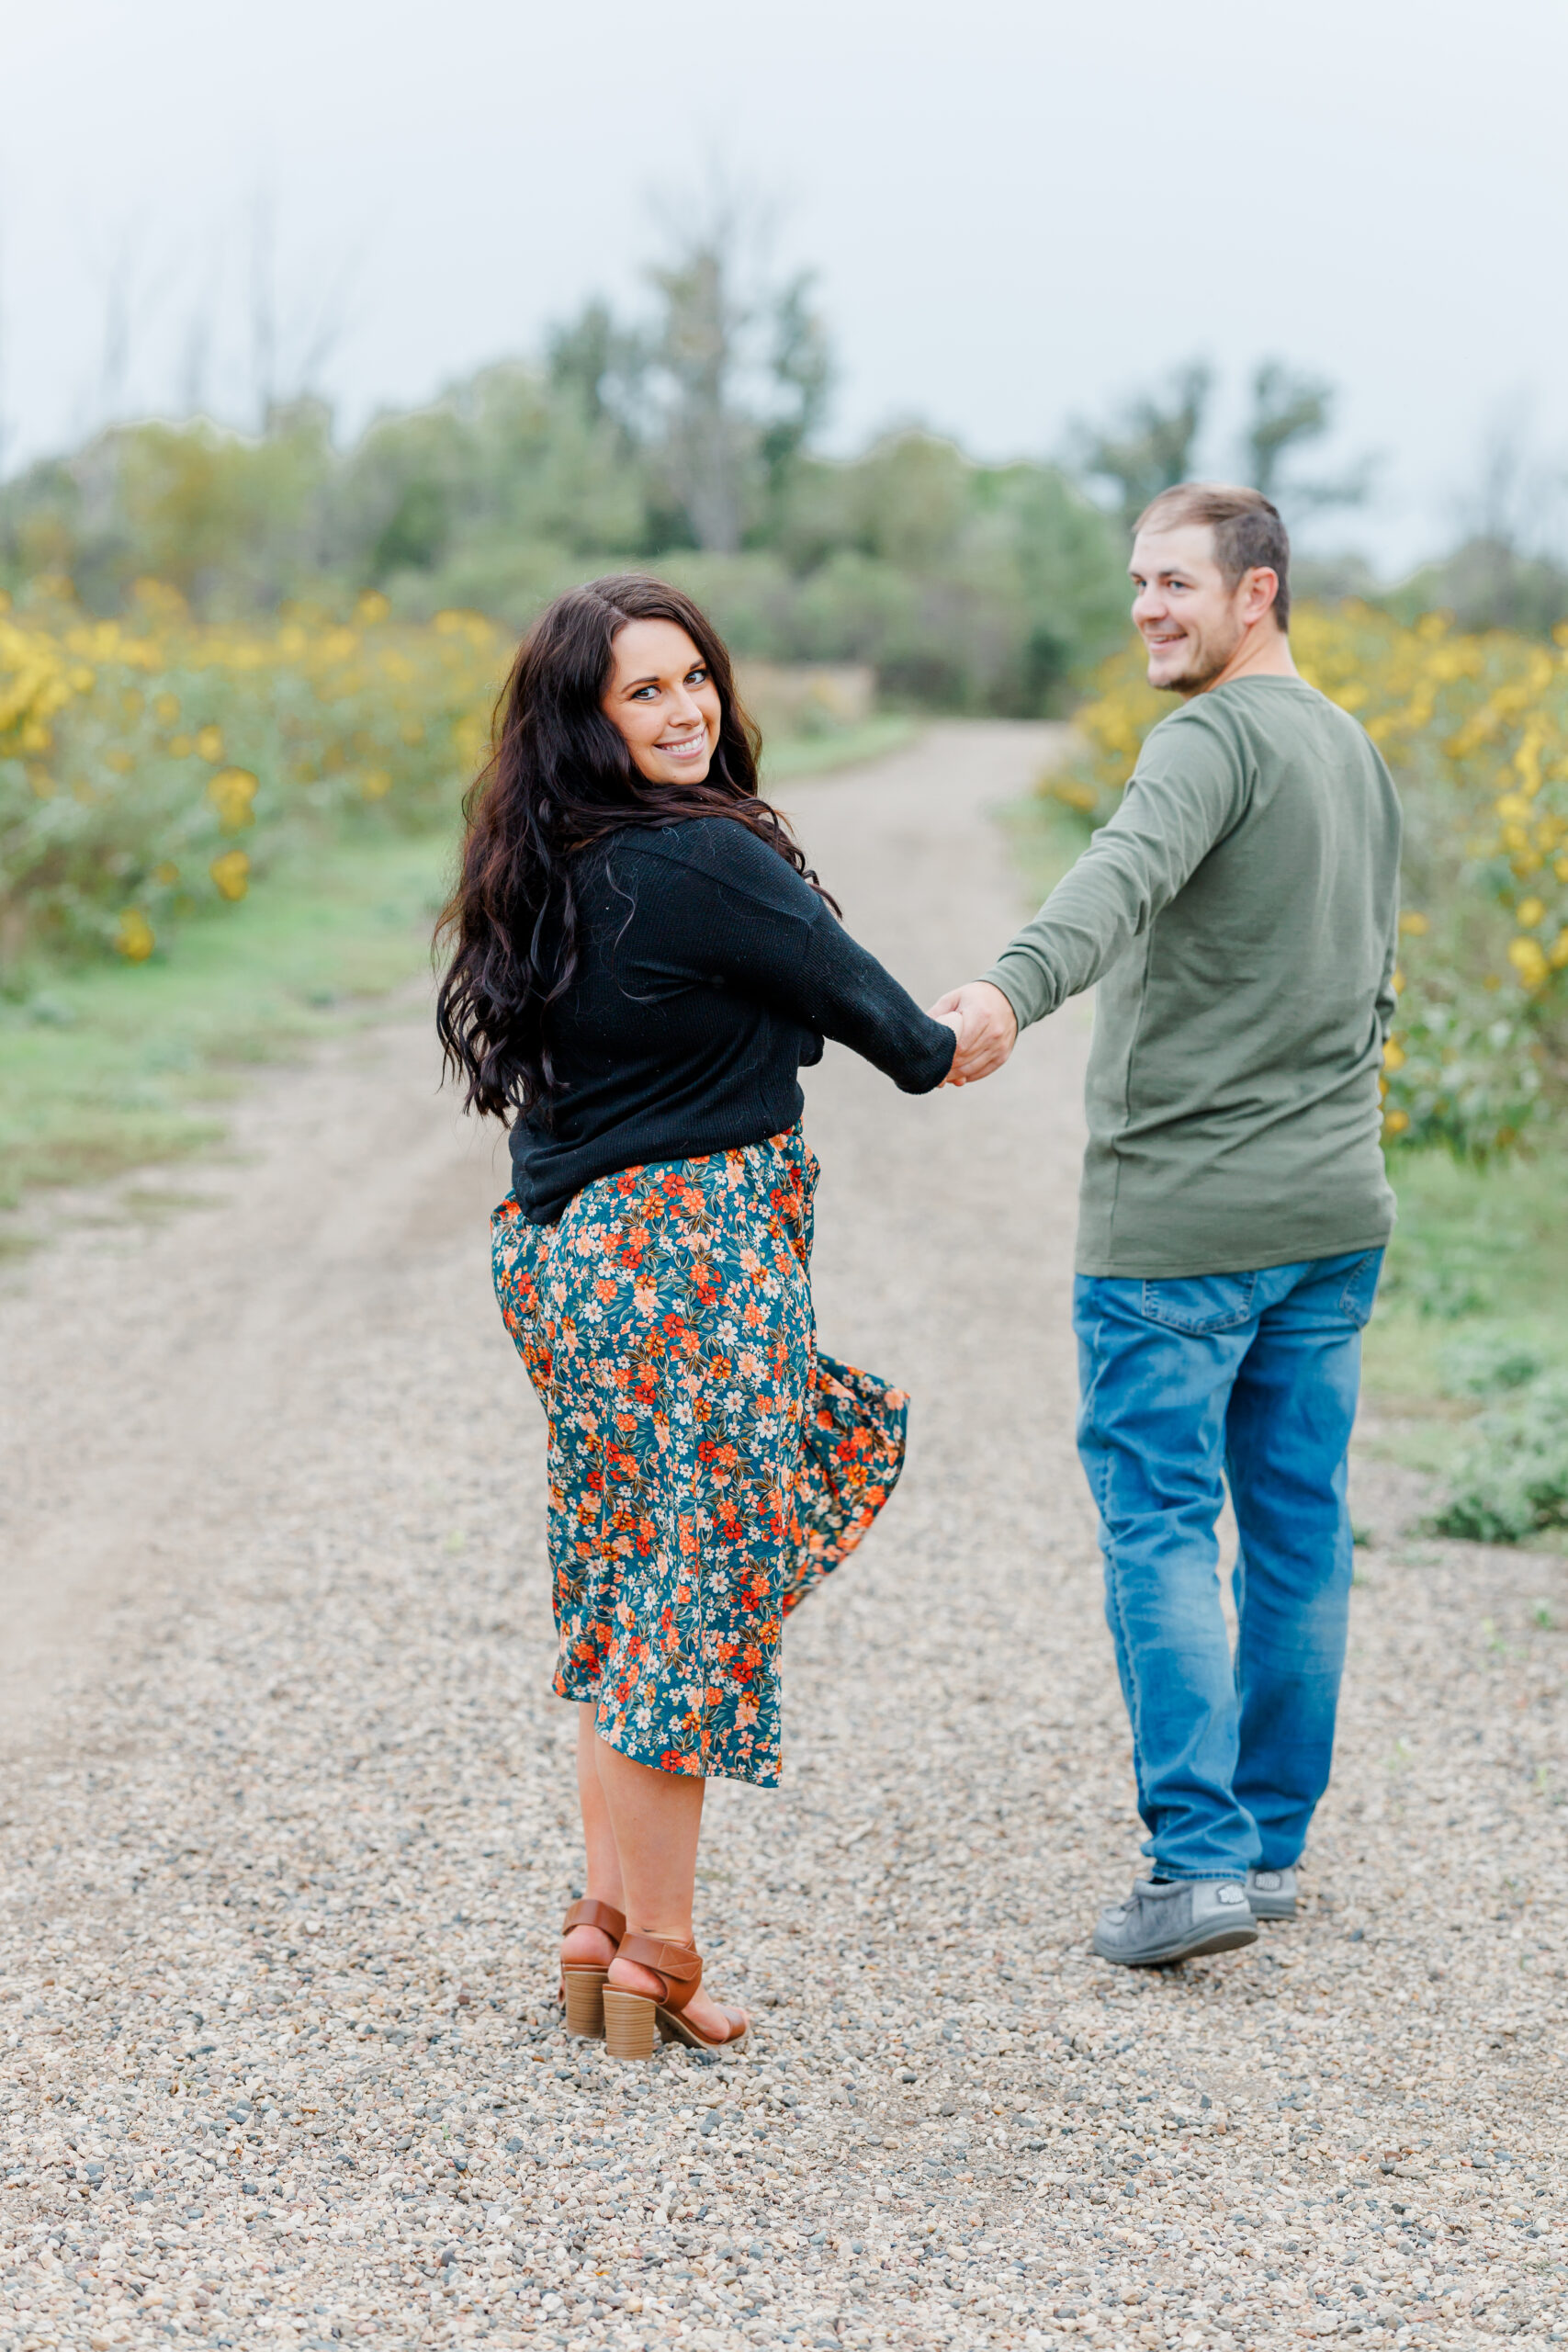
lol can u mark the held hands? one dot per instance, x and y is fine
(986, 1026)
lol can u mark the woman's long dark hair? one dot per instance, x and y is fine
(560, 775)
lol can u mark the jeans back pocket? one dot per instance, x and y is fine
(1359, 1294)
(1199, 1303)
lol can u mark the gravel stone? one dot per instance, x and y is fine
(287, 1807)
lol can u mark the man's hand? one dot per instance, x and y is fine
(988, 1031)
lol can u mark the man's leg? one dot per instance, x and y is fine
(1288, 1436)
(1157, 1361)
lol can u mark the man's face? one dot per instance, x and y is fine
(1184, 609)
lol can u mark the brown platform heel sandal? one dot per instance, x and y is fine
(630, 2017)
(583, 1985)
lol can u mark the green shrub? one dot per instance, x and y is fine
(1511, 1481)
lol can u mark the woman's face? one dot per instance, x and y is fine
(664, 702)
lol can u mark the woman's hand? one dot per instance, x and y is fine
(952, 1020)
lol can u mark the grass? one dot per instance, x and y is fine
(110, 1068)
(1479, 1262)
(791, 758)
(1467, 1353)
(114, 1067)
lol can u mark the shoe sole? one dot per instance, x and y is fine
(1219, 1939)
(1272, 1906)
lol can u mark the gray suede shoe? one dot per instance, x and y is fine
(1272, 1893)
(1173, 1919)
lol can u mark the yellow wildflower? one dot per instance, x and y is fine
(1392, 1054)
(1528, 961)
(1530, 912)
(210, 743)
(135, 938)
(1414, 925)
(1396, 1122)
(165, 709)
(375, 784)
(232, 792)
(232, 872)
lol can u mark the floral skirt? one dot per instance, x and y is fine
(707, 1466)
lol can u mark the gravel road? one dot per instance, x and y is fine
(286, 1820)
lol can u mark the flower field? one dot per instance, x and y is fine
(153, 767)
(1475, 730)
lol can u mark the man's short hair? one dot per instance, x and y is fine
(1248, 534)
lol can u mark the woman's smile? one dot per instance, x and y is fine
(662, 698)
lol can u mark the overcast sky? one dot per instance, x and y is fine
(1021, 210)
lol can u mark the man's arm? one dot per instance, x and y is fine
(1184, 796)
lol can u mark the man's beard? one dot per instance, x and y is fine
(1206, 657)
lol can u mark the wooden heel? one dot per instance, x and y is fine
(679, 1969)
(581, 1984)
(584, 1990)
(628, 2024)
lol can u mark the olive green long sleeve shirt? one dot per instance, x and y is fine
(1239, 914)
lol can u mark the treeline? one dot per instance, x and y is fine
(688, 443)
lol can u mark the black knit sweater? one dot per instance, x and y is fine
(707, 973)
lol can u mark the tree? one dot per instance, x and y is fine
(1288, 410)
(1151, 448)
(602, 364)
(1507, 570)
(708, 436)
(740, 370)
(801, 363)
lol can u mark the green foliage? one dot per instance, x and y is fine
(1510, 1481)
(1472, 1312)
(155, 767)
(683, 444)
(1152, 447)
(1486, 584)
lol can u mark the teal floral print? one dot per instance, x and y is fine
(707, 1465)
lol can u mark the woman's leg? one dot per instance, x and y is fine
(591, 1947)
(657, 1817)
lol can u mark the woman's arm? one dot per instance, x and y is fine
(745, 920)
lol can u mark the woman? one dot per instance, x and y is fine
(641, 960)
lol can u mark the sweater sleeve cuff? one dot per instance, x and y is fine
(935, 1067)
(1022, 983)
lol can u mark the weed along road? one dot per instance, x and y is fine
(287, 1807)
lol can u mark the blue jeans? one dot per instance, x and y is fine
(1250, 1379)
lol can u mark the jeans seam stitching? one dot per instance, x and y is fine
(1113, 1580)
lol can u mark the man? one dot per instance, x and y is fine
(1239, 912)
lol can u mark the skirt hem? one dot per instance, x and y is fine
(624, 1745)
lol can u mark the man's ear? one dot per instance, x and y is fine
(1262, 590)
